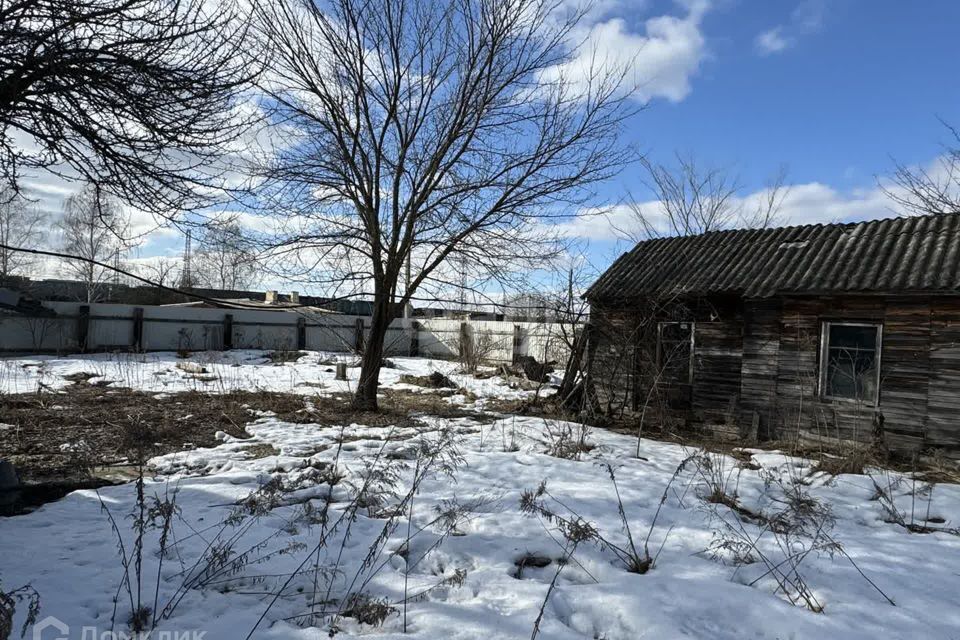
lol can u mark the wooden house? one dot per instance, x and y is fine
(840, 331)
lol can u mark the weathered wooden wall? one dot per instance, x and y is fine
(614, 336)
(760, 360)
(623, 354)
(943, 386)
(919, 371)
(758, 373)
(797, 409)
(717, 362)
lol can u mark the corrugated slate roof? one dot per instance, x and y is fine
(896, 255)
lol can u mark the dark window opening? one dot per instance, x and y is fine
(675, 351)
(850, 361)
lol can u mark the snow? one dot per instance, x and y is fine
(225, 371)
(68, 552)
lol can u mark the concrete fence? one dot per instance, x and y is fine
(77, 327)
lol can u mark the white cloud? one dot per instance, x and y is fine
(807, 203)
(806, 18)
(772, 41)
(818, 203)
(660, 59)
(50, 192)
(809, 14)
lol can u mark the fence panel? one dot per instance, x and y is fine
(173, 327)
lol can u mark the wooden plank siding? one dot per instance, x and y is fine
(611, 358)
(919, 373)
(717, 357)
(758, 373)
(943, 385)
(904, 373)
(759, 359)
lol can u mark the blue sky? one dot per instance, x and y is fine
(835, 90)
(862, 81)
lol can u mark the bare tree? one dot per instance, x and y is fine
(21, 225)
(135, 96)
(92, 228)
(569, 313)
(430, 135)
(766, 210)
(224, 259)
(690, 199)
(161, 270)
(693, 198)
(936, 189)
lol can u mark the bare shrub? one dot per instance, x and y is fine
(8, 609)
(378, 492)
(222, 559)
(475, 349)
(508, 439)
(575, 529)
(780, 539)
(566, 440)
(853, 460)
(719, 477)
(156, 515)
(184, 343)
(918, 519)
(368, 610)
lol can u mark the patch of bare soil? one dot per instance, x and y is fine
(398, 402)
(68, 433)
(435, 380)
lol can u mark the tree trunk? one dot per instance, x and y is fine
(365, 398)
(574, 369)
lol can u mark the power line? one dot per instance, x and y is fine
(240, 305)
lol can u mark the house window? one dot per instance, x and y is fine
(850, 361)
(675, 351)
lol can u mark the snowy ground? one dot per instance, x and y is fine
(239, 369)
(462, 579)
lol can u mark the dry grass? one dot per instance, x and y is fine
(435, 380)
(257, 451)
(92, 421)
(833, 458)
(397, 402)
(280, 357)
(99, 418)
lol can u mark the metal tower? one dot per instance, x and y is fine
(186, 277)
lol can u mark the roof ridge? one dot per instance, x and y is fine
(816, 225)
(900, 253)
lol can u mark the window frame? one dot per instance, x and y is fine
(690, 363)
(825, 359)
